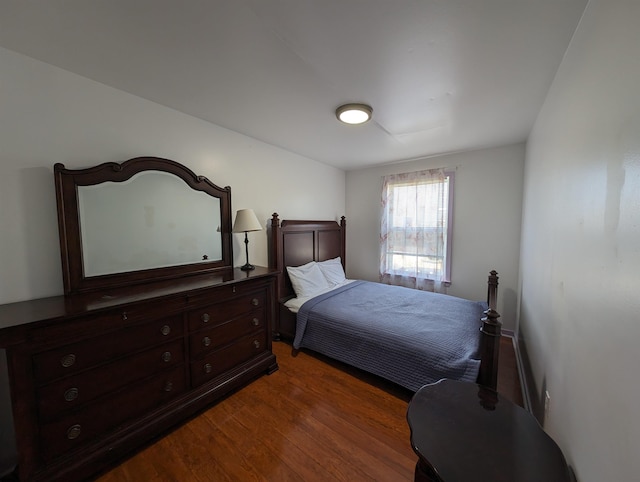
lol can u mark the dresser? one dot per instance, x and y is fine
(95, 376)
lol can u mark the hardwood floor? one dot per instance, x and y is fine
(312, 420)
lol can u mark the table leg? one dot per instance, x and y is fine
(424, 473)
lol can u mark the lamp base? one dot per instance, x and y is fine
(247, 267)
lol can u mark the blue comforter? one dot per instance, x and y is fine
(407, 336)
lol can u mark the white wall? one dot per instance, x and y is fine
(48, 115)
(580, 254)
(487, 216)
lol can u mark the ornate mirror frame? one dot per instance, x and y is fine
(69, 223)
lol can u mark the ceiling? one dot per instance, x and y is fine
(441, 75)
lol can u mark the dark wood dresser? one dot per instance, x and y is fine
(95, 376)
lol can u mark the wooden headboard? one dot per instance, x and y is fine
(296, 242)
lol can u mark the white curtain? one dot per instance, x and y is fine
(413, 230)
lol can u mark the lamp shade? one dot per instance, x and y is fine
(246, 220)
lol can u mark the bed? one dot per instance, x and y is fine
(406, 336)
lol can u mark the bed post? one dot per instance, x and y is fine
(275, 262)
(274, 247)
(490, 339)
(492, 289)
(343, 241)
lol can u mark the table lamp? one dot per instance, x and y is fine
(246, 221)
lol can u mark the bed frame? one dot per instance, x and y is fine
(292, 243)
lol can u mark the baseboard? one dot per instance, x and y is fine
(524, 386)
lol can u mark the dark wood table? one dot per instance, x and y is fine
(463, 432)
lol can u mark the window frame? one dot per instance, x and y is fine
(446, 280)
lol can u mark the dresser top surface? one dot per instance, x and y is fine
(17, 315)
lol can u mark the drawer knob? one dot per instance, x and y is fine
(255, 322)
(205, 317)
(256, 343)
(166, 356)
(68, 360)
(71, 394)
(124, 315)
(165, 330)
(255, 301)
(206, 341)
(73, 432)
(168, 386)
(207, 368)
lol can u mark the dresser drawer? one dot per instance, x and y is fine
(114, 319)
(218, 362)
(227, 292)
(73, 358)
(221, 312)
(76, 390)
(85, 424)
(214, 337)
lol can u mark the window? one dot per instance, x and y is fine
(415, 235)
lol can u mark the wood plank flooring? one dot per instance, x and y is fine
(312, 420)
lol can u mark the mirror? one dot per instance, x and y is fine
(158, 232)
(142, 220)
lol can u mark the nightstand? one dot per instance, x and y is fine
(463, 432)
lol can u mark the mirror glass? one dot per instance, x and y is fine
(152, 220)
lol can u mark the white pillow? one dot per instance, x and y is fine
(307, 280)
(333, 271)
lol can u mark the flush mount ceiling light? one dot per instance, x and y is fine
(354, 113)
